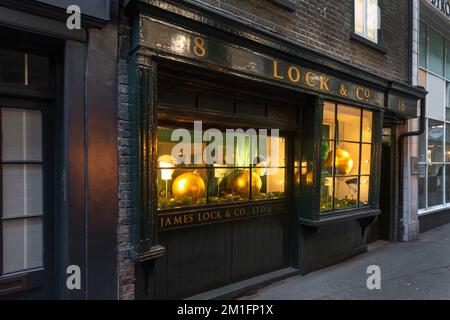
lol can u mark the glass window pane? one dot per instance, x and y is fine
(22, 190)
(367, 126)
(327, 157)
(435, 141)
(436, 98)
(349, 123)
(12, 67)
(435, 185)
(436, 52)
(271, 153)
(366, 157)
(39, 71)
(359, 16)
(423, 148)
(447, 107)
(326, 194)
(347, 159)
(447, 142)
(364, 191)
(182, 187)
(329, 111)
(273, 183)
(422, 187)
(423, 45)
(22, 244)
(346, 193)
(372, 19)
(447, 183)
(448, 60)
(21, 135)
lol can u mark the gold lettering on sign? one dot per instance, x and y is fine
(324, 83)
(343, 90)
(275, 70)
(363, 94)
(294, 74)
(308, 77)
(199, 47)
(402, 105)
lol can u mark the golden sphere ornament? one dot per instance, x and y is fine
(344, 161)
(189, 185)
(241, 184)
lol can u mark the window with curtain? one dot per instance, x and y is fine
(22, 185)
(245, 173)
(367, 19)
(346, 157)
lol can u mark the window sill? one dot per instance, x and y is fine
(340, 217)
(435, 209)
(357, 38)
(21, 281)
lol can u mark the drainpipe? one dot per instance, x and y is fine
(401, 141)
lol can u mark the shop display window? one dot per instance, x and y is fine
(346, 157)
(249, 170)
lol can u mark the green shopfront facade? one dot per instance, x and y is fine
(251, 219)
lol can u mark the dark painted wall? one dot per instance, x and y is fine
(433, 220)
(90, 102)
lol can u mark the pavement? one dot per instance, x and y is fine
(418, 270)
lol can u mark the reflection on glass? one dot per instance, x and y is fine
(435, 185)
(447, 183)
(349, 123)
(423, 147)
(367, 126)
(372, 19)
(327, 157)
(447, 142)
(329, 118)
(435, 141)
(423, 54)
(326, 194)
(346, 193)
(422, 186)
(256, 173)
(366, 155)
(359, 16)
(436, 52)
(364, 191)
(447, 107)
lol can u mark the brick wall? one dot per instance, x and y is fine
(326, 26)
(127, 163)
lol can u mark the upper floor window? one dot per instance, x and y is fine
(367, 19)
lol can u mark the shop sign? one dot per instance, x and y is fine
(442, 5)
(170, 40)
(176, 220)
(402, 106)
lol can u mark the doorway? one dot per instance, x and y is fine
(382, 228)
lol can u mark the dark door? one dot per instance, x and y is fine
(382, 228)
(27, 174)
